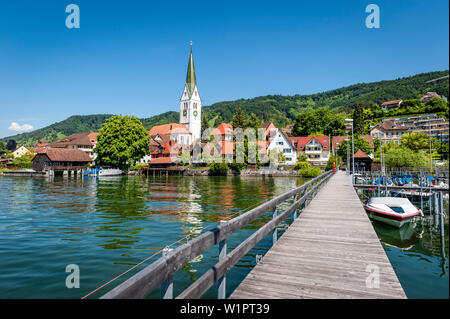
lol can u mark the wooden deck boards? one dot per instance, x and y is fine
(324, 253)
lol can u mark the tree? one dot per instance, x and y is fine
(401, 156)
(321, 120)
(205, 122)
(437, 105)
(11, 145)
(239, 119)
(2, 147)
(122, 140)
(441, 149)
(254, 122)
(359, 120)
(415, 141)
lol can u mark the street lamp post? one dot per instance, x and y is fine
(353, 147)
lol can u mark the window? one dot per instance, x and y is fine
(280, 143)
(286, 150)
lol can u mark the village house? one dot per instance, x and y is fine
(59, 160)
(82, 141)
(428, 96)
(389, 105)
(281, 143)
(429, 124)
(20, 151)
(388, 131)
(316, 148)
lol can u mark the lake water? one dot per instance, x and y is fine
(107, 225)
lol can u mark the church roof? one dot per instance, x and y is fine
(191, 80)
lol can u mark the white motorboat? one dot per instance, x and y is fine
(393, 211)
(109, 171)
(103, 171)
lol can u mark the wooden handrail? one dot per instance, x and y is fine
(144, 282)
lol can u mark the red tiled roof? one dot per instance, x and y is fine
(301, 141)
(168, 129)
(223, 129)
(391, 126)
(87, 138)
(164, 160)
(391, 102)
(360, 154)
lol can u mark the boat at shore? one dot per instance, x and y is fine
(393, 211)
(103, 171)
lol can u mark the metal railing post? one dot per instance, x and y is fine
(221, 294)
(274, 215)
(167, 285)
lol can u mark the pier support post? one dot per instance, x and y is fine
(221, 294)
(274, 215)
(295, 210)
(167, 285)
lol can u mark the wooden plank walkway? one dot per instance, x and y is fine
(325, 253)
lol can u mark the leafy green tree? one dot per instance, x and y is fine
(254, 122)
(239, 119)
(437, 105)
(2, 147)
(442, 149)
(121, 141)
(415, 141)
(401, 156)
(359, 119)
(321, 120)
(205, 122)
(218, 168)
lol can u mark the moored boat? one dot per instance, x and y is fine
(393, 211)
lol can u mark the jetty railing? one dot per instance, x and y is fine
(160, 273)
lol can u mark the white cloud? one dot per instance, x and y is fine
(20, 128)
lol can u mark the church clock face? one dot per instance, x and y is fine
(184, 113)
(195, 113)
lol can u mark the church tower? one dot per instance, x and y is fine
(190, 102)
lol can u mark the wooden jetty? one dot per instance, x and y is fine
(330, 251)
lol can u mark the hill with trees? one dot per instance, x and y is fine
(281, 110)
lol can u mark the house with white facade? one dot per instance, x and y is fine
(316, 148)
(280, 142)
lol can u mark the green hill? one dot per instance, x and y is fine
(281, 110)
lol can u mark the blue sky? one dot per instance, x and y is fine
(130, 57)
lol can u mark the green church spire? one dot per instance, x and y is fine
(191, 81)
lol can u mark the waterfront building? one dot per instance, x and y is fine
(281, 143)
(363, 162)
(316, 148)
(81, 141)
(389, 105)
(61, 159)
(388, 131)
